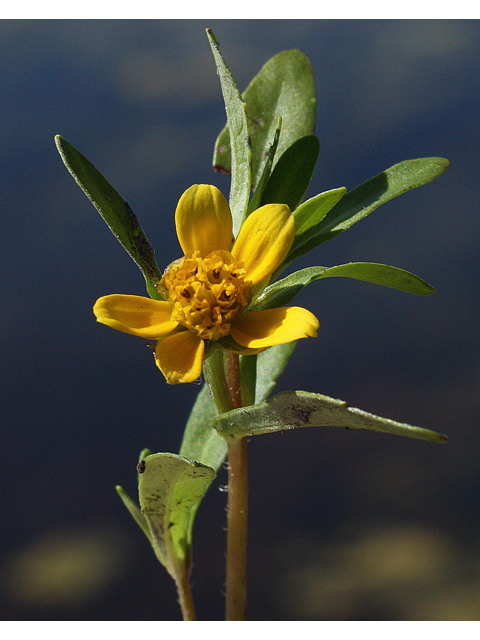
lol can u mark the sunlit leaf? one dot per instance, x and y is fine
(117, 213)
(239, 138)
(284, 87)
(309, 214)
(200, 440)
(296, 409)
(283, 291)
(307, 217)
(170, 487)
(361, 201)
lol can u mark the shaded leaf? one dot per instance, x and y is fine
(248, 378)
(284, 87)
(292, 173)
(270, 365)
(200, 441)
(239, 138)
(283, 291)
(256, 199)
(361, 201)
(117, 213)
(296, 409)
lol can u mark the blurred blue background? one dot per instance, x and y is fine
(343, 525)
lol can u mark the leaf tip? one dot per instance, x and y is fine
(58, 141)
(425, 290)
(211, 36)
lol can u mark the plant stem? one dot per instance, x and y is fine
(185, 597)
(237, 513)
(224, 380)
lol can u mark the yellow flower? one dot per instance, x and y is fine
(207, 292)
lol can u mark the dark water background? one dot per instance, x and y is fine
(343, 525)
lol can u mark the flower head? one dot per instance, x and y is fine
(206, 293)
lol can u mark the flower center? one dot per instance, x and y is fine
(207, 293)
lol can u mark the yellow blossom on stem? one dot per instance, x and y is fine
(207, 292)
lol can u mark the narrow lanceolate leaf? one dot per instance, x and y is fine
(292, 173)
(307, 217)
(170, 486)
(239, 138)
(200, 440)
(270, 365)
(134, 510)
(309, 214)
(283, 291)
(117, 213)
(296, 409)
(361, 201)
(130, 504)
(284, 87)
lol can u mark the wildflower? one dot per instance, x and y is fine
(206, 293)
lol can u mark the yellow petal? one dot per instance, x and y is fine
(264, 240)
(260, 329)
(180, 357)
(203, 220)
(137, 315)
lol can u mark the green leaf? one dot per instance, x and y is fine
(270, 365)
(117, 213)
(267, 170)
(239, 138)
(284, 87)
(292, 173)
(130, 504)
(248, 378)
(200, 441)
(361, 201)
(134, 510)
(170, 488)
(283, 291)
(307, 217)
(309, 214)
(295, 409)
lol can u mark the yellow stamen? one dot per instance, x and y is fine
(207, 293)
